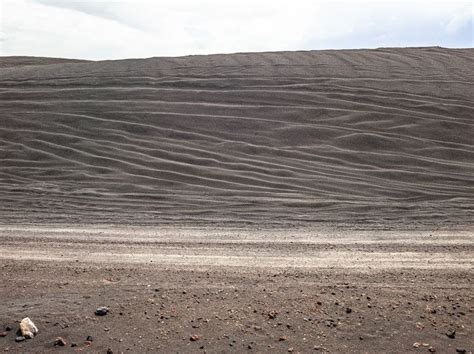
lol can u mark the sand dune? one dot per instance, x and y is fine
(369, 138)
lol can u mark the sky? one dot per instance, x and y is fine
(115, 29)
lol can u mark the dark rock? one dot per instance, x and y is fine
(282, 339)
(19, 339)
(461, 350)
(101, 311)
(59, 342)
(272, 314)
(3, 334)
(110, 351)
(451, 334)
(73, 345)
(8, 328)
(348, 310)
(89, 339)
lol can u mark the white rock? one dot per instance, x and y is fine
(28, 328)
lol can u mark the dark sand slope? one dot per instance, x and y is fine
(357, 137)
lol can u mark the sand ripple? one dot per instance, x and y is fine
(371, 137)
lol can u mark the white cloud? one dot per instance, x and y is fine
(103, 29)
(461, 21)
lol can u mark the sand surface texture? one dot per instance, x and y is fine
(276, 202)
(237, 290)
(373, 137)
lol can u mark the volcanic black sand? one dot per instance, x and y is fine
(381, 137)
(267, 202)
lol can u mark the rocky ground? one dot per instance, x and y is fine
(173, 307)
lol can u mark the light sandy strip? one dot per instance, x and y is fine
(193, 249)
(236, 236)
(330, 259)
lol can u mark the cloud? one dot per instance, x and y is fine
(109, 29)
(461, 22)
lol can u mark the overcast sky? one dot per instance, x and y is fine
(103, 29)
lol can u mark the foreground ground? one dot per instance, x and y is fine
(236, 290)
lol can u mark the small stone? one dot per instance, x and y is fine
(73, 345)
(416, 345)
(290, 350)
(282, 339)
(3, 334)
(451, 333)
(89, 339)
(272, 314)
(431, 349)
(28, 328)
(194, 338)
(8, 328)
(19, 339)
(110, 351)
(348, 310)
(101, 311)
(461, 350)
(59, 342)
(249, 346)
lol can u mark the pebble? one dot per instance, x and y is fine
(451, 334)
(28, 328)
(8, 328)
(282, 339)
(110, 351)
(59, 342)
(3, 334)
(348, 310)
(89, 339)
(431, 349)
(73, 345)
(272, 314)
(19, 339)
(461, 350)
(101, 311)
(194, 338)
